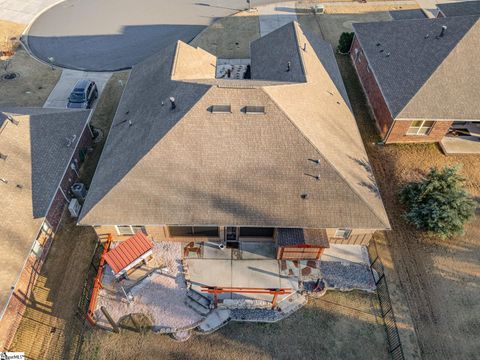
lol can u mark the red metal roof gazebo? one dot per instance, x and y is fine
(128, 252)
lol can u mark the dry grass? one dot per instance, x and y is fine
(439, 277)
(33, 85)
(339, 325)
(9, 30)
(221, 41)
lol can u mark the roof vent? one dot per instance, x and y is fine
(254, 110)
(304, 196)
(387, 54)
(5, 181)
(444, 28)
(427, 36)
(19, 186)
(305, 47)
(3, 156)
(70, 141)
(173, 105)
(378, 44)
(289, 66)
(220, 109)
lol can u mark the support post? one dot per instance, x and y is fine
(110, 320)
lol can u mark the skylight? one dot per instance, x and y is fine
(221, 109)
(254, 110)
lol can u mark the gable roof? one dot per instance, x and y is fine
(462, 8)
(193, 167)
(415, 66)
(37, 156)
(128, 251)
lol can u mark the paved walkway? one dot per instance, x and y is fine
(58, 98)
(274, 16)
(22, 11)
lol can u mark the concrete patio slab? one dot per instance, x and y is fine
(274, 16)
(346, 253)
(264, 250)
(460, 145)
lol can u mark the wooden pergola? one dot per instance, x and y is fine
(221, 290)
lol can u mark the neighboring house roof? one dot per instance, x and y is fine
(421, 73)
(190, 166)
(128, 251)
(407, 14)
(35, 145)
(463, 8)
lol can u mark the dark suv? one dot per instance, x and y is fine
(83, 95)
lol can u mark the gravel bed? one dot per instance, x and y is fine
(161, 297)
(347, 276)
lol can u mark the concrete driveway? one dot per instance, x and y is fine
(58, 98)
(110, 35)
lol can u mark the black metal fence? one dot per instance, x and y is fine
(386, 310)
(84, 301)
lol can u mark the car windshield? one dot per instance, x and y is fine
(77, 97)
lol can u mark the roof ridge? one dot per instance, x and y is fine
(296, 29)
(327, 160)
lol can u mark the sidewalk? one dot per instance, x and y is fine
(22, 11)
(58, 98)
(274, 16)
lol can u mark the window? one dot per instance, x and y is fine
(221, 109)
(343, 233)
(129, 229)
(189, 231)
(37, 249)
(254, 110)
(256, 232)
(420, 127)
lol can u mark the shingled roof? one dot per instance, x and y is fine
(33, 140)
(192, 166)
(462, 8)
(422, 72)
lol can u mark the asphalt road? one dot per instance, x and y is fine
(109, 35)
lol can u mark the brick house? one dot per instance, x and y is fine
(421, 77)
(37, 148)
(277, 157)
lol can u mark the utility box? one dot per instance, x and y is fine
(74, 207)
(79, 191)
(318, 9)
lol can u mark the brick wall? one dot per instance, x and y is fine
(400, 127)
(59, 203)
(375, 98)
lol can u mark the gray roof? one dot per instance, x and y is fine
(415, 67)
(407, 14)
(190, 167)
(296, 236)
(463, 8)
(37, 157)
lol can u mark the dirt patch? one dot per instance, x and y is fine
(33, 84)
(221, 41)
(336, 325)
(102, 119)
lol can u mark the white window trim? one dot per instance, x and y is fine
(418, 128)
(131, 227)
